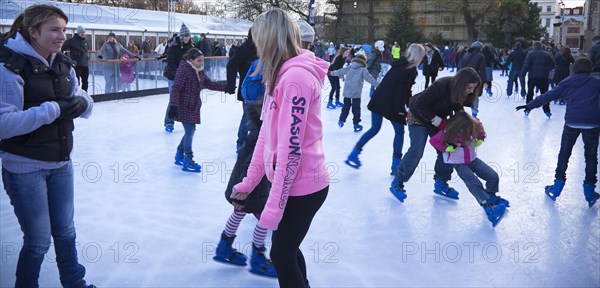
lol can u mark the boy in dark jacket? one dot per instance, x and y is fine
(581, 92)
(516, 58)
(538, 64)
(78, 52)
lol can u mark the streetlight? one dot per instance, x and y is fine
(562, 21)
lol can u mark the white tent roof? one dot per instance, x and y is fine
(98, 17)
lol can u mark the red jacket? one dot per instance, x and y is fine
(185, 94)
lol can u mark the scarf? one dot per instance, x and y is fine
(114, 48)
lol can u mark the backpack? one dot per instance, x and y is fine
(253, 89)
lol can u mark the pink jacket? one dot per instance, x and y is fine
(289, 149)
(465, 153)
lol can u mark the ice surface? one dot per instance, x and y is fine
(141, 222)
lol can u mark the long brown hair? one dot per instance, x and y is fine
(461, 125)
(340, 53)
(460, 83)
(33, 18)
(277, 40)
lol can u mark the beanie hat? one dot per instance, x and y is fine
(307, 33)
(196, 38)
(184, 31)
(111, 34)
(477, 44)
(80, 29)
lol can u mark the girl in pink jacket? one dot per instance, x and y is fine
(289, 149)
(457, 140)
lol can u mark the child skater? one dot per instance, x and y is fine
(289, 149)
(581, 92)
(185, 103)
(458, 141)
(355, 73)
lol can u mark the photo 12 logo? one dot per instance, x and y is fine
(453, 252)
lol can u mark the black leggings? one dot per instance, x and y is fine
(285, 250)
(335, 88)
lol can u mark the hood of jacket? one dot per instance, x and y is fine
(357, 63)
(576, 80)
(20, 45)
(307, 60)
(474, 50)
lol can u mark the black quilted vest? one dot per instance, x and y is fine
(54, 141)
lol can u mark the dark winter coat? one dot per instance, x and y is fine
(240, 63)
(78, 50)
(205, 46)
(538, 64)
(595, 56)
(475, 59)
(255, 203)
(174, 55)
(562, 64)
(490, 58)
(394, 92)
(434, 101)
(185, 94)
(517, 58)
(432, 69)
(319, 51)
(374, 62)
(582, 94)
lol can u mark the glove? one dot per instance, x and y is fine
(72, 108)
(328, 72)
(172, 112)
(521, 107)
(99, 56)
(478, 142)
(230, 90)
(450, 148)
(436, 121)
(137, 57)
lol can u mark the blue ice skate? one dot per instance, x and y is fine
(260, 264)
(397, 189)
(553, 191)
(227, 254)
(590, 195)
(493, 212)
(497, 200)
(353, 160)
(189, 165)
(358, 127)
(441, 187)
(330, 105)
(179, 158)
(169, 128)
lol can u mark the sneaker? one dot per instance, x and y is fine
(260, 264)
(227, 254)
(169, 128)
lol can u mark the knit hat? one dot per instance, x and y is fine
(80, 29)
(477, 44)
(307, 33)
(111, 34)
(184, 31)
(196, 38)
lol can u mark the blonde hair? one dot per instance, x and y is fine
(414, 55)
(340, 53)
(277, 39)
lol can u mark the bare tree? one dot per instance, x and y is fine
(473, 11)
(250, 9)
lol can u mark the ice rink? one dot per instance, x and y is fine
(142, 222)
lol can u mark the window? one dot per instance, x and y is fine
(447, 28)
(576, 12)
(548, 8)
(573, 30)
(449, 19)
(572, 42)
(547, 22)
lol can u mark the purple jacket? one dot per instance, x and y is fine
(464, 153)
(185, 94)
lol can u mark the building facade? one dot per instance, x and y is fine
(570, 32)
(591, 25)
(549, 10)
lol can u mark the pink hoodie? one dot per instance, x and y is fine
(289, 149)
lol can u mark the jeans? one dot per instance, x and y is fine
(82, 73)
(542, 84)
(242, 129)
(470, 174)
(475, 108)
(410, 160)
(185, 146)
(427, 80)
(335, 87)
(590, 146)
(43, 203)
(376, 121)
(355, 103)
(285, 251)
(169, 121)
(512, 77)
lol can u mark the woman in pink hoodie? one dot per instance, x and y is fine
(289, 149)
